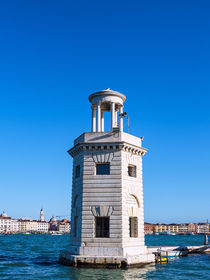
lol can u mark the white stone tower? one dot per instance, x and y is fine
(107, 211)
(42, 215)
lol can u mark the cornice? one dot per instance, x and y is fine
(103, 147)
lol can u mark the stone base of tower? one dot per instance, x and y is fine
(106, 261)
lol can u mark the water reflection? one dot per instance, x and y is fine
(111, 274)
(139, 273)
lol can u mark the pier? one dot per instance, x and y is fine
(163, 253)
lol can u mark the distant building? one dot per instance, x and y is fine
(31, 225)
(14, 225)
(42, 226)
(160, 228)
(5, 223)
(53, 224)
(183, 228)
(203, 228)
(64, 226)
(166, 228)
(192, 228)
(21, 225)
(9, 225)
(173, 228)
(27, 225)
(148, 228)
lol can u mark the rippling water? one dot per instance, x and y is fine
(36, 257)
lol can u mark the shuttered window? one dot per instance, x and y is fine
(133, 225)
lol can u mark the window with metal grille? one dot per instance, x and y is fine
(77, 171)
(133, 225)
(102, 227)
(102, 169)
(131, 170)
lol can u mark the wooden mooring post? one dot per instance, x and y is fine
(206, 241)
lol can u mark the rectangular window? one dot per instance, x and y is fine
(75, 226)
(102, 169)
(102, 227)
(133, 225)
(132, 170)
(77, 171)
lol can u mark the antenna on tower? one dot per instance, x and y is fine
(124, 115)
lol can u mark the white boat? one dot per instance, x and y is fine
(174, 253)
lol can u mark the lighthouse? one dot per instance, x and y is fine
(107, 208)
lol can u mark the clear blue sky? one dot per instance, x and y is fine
(53, 54)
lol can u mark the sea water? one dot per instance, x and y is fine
(36, 257)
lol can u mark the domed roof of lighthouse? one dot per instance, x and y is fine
(107, 95)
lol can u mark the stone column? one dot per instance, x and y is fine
(99, 117)
(115, 119)
(102, 121)
(112, 115)
(93, 118)
(121, 118)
